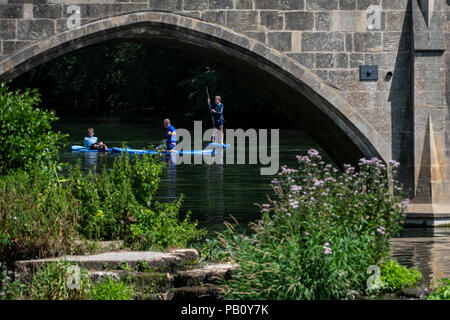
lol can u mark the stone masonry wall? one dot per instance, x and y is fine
(331, 38)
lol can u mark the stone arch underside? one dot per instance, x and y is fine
(342, 131)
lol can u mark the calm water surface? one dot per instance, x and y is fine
(216, 192)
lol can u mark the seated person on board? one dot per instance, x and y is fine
(91, 142)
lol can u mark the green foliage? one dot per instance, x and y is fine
(395, 277)
(212, 249)
(108, 289)
(117, 204)
(42, 214)
(318, 238)
(26, 139)
(111, 199)
(50, 283)
(47, 283)
(37, 215)
(442, 292)
(162, 227)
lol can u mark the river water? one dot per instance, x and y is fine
(214, 193)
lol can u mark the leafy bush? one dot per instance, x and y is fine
(108, 289)
(442, 292)
(395, 277)
(50, 281)
(318, 238)
(47, 283)
(117, 204)
(212, 249)
(41, 214)
(162, 228)
(37, 215)
(111, 199)
(26, 139)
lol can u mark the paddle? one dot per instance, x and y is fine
(209, 106)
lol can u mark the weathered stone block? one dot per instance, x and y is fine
(213, 16)
(243, 4)
(356, 59)
(348, 21)
(322, 74)
(242, 20)
(395, 5)
(396, 41)
(324, 60)
(281, 41)
(195, 4)
(272, 20)
(11, 11)
(367, 42)
(220, 4)
(322, 21)
(280, 4)
(165, 5)
(349, 42)
(342, 60)
(322, 41)
(11, 46)
(28, 11)
(47, 12)
(193, 14)
(398, 21)
(299, 20)
(257, 35)
(7, 29)
(35, 29)
(347, 4)
(305, 59)
(365, 4)
(344, 80)
(321, 4)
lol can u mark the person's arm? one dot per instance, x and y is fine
(173, 134)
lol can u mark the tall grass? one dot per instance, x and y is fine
(38, 215)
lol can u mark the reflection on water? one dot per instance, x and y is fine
(427, 250)
(212, 192)
(215, 192)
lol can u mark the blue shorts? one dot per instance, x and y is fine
(169, 146)
(218, 123)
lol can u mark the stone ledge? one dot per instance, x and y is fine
(427, 215)
(163, 260)
(212, 273)
(207, 291)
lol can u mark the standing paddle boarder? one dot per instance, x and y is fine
(217, 112)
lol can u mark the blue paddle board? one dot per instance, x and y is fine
(83, 149)
(138, 151)
(213, 144)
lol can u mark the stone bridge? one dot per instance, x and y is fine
(309, 57)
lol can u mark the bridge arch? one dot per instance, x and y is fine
(339, 128)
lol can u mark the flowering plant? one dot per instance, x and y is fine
(316, 240)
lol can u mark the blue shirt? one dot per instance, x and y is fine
(173, 137)
(218, 115)
(88, 141)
